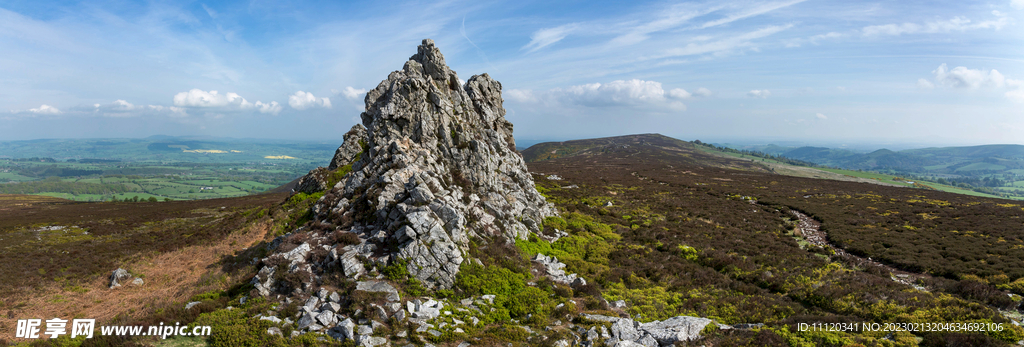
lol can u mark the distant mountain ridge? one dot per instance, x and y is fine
(961, 161)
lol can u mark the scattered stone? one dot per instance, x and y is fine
(191, 304)
(138, 281)
(275, 331)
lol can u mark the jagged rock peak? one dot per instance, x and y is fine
(438, 167)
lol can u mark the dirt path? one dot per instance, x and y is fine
(810, 230)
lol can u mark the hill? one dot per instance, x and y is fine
(992, 169)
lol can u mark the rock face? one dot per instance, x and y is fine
(349, 151)
(351, 148)
(433, 164)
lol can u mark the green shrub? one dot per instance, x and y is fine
(474, 279)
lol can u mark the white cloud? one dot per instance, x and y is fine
(702, 92)
(679, 93)
(272, 108)
(45, 109)
(200, 98)
(353, 94)
(820, 116)
(545, 37)
(955, 24)
(962, 77)
(227, 102)
(633, 92)
(1017, 4)
(759, 93)
(302, 100)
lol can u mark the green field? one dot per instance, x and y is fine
(907, 183)
(102, 170)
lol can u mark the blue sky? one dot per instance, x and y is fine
(831, 72)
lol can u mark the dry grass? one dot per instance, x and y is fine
(171, 278)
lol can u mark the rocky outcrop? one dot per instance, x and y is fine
(433, 165)
(436, 166)
(627, 332)
(317, 180)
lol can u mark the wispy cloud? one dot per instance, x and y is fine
(954, 24)
(724, 45)
(751, 11)
(545, 37)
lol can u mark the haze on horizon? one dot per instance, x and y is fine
(936, 73)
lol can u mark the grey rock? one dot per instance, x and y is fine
(600, 318)
(311, 303)
(619, 304)
(626, 344)
(378, 287)
(351, 146)
(681, 328)
(331, 306)
(434, 332)
(306, 320)
(372, 341)
(648, 341)
(264, 280)
(272, 319)
(556, 270)
(747, 325)
(118, 276)
(327, 318)
(138, 281)
(298, 254)
(625, 329)
(364, 330)
(345, 328)
(191, 304)
(314, 181)
(275, 331)
(334, 297)
(464, 344)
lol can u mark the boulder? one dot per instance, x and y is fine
(681, 328)
(378, 287)
(119, 276)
